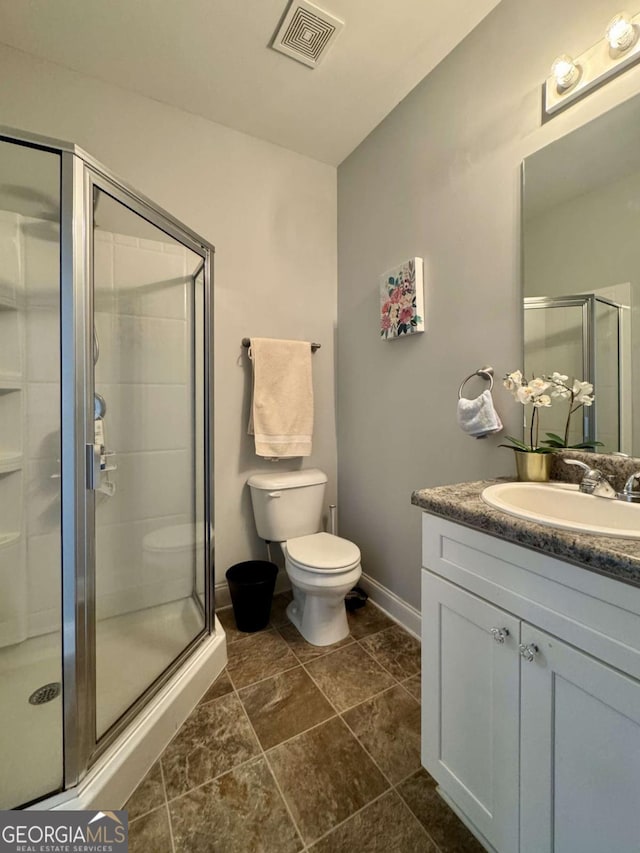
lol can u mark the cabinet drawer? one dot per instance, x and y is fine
(592, 612)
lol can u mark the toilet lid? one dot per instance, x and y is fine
(323, 551)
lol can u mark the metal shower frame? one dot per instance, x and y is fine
(587, 303)
(79, 174)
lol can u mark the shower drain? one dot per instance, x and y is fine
(45, 693)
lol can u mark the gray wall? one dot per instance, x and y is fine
(439, 178)
(270, 213)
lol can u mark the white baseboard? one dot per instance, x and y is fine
(394, 606)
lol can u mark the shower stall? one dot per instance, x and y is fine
(585, 336)
(107, 627)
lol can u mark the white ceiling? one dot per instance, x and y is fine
(211, 57)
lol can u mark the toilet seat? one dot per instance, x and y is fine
(322, 553)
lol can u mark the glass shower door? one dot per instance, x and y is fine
(580, 336)
(149, 453)
(30, 512)
(607, 374)
(555, 340)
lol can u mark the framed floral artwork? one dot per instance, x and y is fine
(402, 301)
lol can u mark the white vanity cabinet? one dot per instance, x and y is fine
(531, 695)
(470, 726)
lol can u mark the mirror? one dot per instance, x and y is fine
(581, 268)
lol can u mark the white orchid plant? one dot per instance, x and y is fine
(540, 392)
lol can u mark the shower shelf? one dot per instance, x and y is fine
(10, 462)
(10, 382)
(7, 539)
(8, 300)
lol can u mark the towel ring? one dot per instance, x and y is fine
(484, 372)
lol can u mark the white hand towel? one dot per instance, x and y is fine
(281, 418)
(478, 417)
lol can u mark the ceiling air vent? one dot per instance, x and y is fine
(306, 33)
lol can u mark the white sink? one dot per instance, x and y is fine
(562, 505)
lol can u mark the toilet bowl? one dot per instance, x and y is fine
(169, 557)
(322, 567)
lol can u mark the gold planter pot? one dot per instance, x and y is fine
(533, 467)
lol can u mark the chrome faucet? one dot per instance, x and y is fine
(594, 481)
(629, 493)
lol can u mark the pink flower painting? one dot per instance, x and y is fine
(401, 301)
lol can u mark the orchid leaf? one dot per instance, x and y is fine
(519, 444)
(555, 437)
(585, 445)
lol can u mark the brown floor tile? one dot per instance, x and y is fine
(388, 727)
(303, 650)
(239, 812)
(220, 687)
(385, 826)
(279, 608)
(216, 737)
(257, 657)
(444, 827)
(148, 795)
(278, 617)
(367, 620)
(349, 676)
(414, 686)
(396, 650)
(325, 776)
(284, 706)
(151, 833)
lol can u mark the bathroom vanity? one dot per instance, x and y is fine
(531, 677)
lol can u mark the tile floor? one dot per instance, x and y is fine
(299, 748)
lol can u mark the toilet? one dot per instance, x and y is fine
(169, 556)
(322, 568)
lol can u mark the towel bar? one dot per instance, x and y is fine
(246, 342)
(485, 372)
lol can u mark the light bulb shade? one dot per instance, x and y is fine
(621, 33)
(565, 71)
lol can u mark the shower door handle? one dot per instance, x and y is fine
(93, 466)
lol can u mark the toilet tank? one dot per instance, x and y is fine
(288, 504)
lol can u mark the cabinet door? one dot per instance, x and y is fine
(470, 702)
(580, 752)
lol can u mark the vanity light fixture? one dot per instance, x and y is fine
(565, 72)
(621, 33)
(571, 79)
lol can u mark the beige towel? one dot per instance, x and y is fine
(281, 418)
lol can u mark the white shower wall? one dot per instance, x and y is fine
(30, 260)
(144, 374)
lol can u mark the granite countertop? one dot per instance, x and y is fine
(462, 503)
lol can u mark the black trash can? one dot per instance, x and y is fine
(251, 585)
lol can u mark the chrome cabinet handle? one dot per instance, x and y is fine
(499, 634)
(528, 652)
